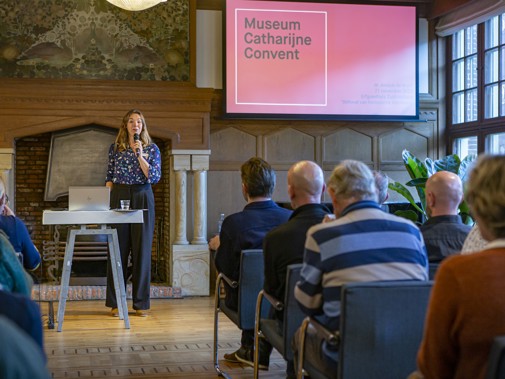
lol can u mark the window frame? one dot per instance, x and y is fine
(481, 127)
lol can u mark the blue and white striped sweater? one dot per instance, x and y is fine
(364, 244)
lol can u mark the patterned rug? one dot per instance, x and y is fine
(49, 292)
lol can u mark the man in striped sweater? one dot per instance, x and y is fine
(362, 244)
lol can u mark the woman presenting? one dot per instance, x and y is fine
(134, 165)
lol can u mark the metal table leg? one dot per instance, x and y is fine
(117, 271)
(117, 274)
(65, 276)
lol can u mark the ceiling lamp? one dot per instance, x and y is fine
(135, 5)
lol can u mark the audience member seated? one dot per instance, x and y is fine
(363, 243)
(18, 234)
(381, 186)
(20, 357)
(474, 241)
(24, 312)
(444, 232)
(13, 277)
(466, 309)
(284, 245)
(246, 230)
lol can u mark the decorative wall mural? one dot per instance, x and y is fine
(92, 39)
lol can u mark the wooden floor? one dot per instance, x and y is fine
(175, 341)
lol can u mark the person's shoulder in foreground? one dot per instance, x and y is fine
(466, 310)
(20, 357)
(23, 311)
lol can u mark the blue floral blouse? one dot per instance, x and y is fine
(124, 167)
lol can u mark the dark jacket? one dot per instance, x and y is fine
(285, 244)
(444, 236)
(245, 230)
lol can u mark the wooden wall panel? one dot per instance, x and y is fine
(347, 144)
(231, 145)
(392, 145)
(224, 193)
(282, 143)
(288, 146)
(174, 111)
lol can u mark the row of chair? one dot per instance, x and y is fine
(381, 323)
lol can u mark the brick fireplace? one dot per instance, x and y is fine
(178, 119)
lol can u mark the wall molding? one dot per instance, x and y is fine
(178, 112)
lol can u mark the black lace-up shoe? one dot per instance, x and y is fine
(232, 357)
(248, 359)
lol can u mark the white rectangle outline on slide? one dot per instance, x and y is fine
(325, 56)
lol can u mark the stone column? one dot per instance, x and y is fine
(199, 166)
(181, 163)
(189, 263)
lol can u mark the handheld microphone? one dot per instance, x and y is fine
(136, 138)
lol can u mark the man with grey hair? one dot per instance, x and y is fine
(362, 244)
(444, 232)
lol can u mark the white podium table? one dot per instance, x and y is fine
(100, 218)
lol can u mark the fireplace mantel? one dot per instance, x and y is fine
(179, 112)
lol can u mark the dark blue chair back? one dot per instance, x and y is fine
(496, 362)
(381, 327)
(249, 285)
(432, 270)
(293, 317)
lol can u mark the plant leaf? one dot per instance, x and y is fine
(408, 214)
(402, 190)
(419, 182)
(414, 166)
(466, 218)
(430, 166)
(449, 163)
(465, 166)
(416, 169)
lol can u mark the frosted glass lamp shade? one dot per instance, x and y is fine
(135, 5)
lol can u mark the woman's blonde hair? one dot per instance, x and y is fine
(485, 193)
(122, 142)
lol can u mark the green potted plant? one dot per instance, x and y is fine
(420, 171)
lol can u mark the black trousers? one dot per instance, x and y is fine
(135, 241)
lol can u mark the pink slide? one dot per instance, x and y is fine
(320, 59)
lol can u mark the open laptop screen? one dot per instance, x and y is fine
(88, 198)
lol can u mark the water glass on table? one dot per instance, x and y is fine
(125, 204)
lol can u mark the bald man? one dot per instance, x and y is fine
(284, 245)
(444, 233)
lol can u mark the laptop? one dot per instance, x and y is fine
(88, 198)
